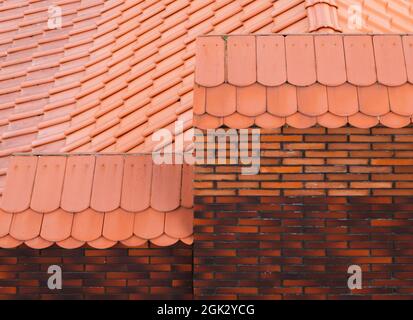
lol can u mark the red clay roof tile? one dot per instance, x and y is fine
(282, 100)
(166, 196)
(211, 49)
(238, 121)
(400, 99)
(136, 179)
(360, 64)
(301, 68)
(327, 83)
(107, 183)
(271, 71)
(20, 177)
(221, 100)
(312, 100)
(241, 62)
(120, 208)
(390, 64)
(77, 187)
(251, 100)
(408, 56)
(329, 53)
(343, 100)
(48, 183)
(374, 100)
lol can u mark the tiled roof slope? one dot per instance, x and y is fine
(115, 72)
(99, 200)
(378, 16)
(302, 80)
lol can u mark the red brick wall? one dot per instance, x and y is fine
(323, 200)
(319, 161)
(115, 273)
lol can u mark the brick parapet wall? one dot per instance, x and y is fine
(301, 247)
(317, 162)
(324, 199)
(115, 273)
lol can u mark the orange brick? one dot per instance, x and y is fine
(281, 169)
(214, 192)
(348, 131)
(326, 185)
(376, 185)
(393, 192)
(349, 252)
(392, 131)
(368, 169)
(304, 146)
(325, 138)
(217, 177)
(396, 162)
(348, 146)
(326, 154)
(270, 146)
(238, 184)
(325, 169)
(282, 185)
(348, 161)
(387, 223)
(302, 176)
(399, 138)
(281, 138)
(347, 176)
(258, 192)
(371, 154)
(371, 138)
(308, 192)
(349, 192)
(281, 154)
(394, 177)
(393, 146)
(259, 177)
(303, 161)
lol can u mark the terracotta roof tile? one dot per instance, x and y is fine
(300, 61)
(99, 200)
(359, 53)
(331, 80)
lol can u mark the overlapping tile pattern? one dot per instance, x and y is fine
(98, 200)
(304, 80)
(115, 72)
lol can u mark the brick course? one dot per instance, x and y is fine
(320, 162)
(323, 200)
(116, 273)
(300, 247)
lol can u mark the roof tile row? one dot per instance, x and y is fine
(301, 81)
(303, 60)
(99, 200)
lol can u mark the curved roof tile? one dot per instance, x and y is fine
(331, 80)
(118, 210)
